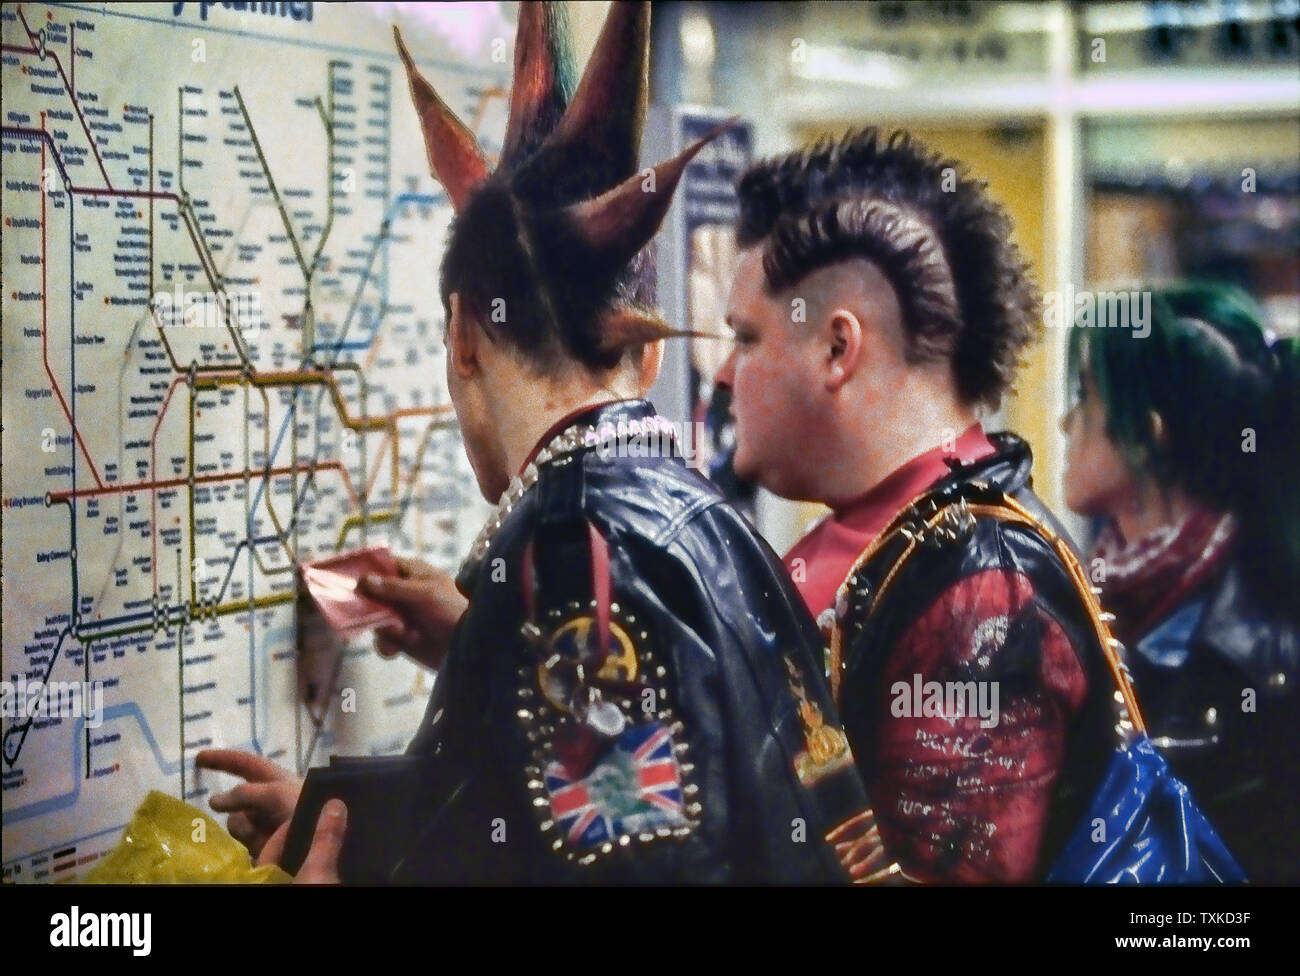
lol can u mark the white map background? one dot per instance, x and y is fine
(161, 478)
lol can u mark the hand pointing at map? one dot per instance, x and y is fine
(258, 807)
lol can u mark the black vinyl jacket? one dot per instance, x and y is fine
(1227, 719)
(511, 788)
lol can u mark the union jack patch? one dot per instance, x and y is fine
(610, 765)
(635, 788)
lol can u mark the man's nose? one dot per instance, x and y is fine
(727, 374)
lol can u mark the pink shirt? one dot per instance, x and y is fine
(831, 546)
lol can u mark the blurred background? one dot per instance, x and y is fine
(1127, 140)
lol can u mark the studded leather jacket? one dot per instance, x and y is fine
(634, 694)
(971, 681)
(1217, 680)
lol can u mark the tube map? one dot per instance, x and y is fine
(222, 356)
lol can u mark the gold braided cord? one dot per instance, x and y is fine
(1010, 511)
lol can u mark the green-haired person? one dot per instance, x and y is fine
(1184, 439)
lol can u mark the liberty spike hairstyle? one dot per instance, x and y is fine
(547, 248)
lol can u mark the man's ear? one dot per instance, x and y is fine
(463, 332)
(847, 348)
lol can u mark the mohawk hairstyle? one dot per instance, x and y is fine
(547, 249)
(964, 289)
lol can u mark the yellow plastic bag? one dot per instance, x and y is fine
(168, 841)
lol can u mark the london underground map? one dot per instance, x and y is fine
(222, 356)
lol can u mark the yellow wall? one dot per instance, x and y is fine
(1014, 164)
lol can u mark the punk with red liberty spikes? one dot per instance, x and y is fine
(630, 689)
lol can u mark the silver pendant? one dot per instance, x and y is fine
(605, 719)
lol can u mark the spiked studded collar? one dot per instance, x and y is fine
(599, 428)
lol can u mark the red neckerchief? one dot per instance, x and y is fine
(830, 547)
(1145, 580)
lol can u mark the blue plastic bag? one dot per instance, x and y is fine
(1153, 831)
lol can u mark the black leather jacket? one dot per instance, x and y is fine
(1217, 680)
(992, 603)
(721, 641)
